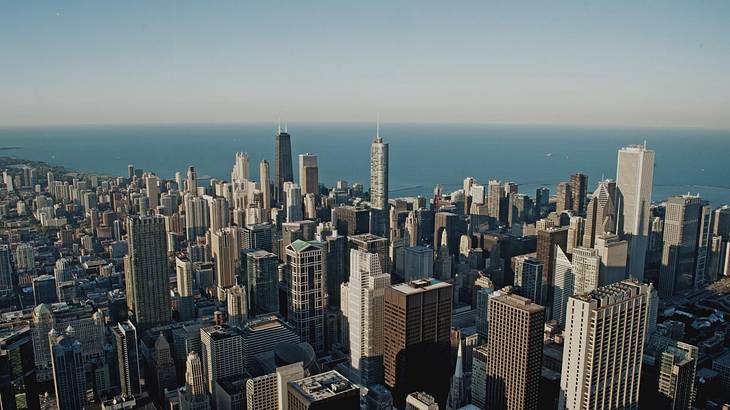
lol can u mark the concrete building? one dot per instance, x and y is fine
(603, 347)
(307, 290)
(324, 391)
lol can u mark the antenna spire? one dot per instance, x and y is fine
(278, 129)
(286, 126)
(377, 127)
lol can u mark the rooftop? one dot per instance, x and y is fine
(323, 385)
(420, 285)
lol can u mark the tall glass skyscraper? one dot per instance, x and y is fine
(282, 163)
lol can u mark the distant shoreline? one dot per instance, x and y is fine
(9, 148)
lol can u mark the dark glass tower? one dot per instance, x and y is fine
(282, 163)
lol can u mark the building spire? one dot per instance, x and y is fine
(278, 128)
(377, 128)
(286, 126)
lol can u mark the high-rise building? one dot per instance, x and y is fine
(193, 395)
(222, 348)
(293, 195)
(564, 196)
(681, 233)
(6, 269)
(418, 263)
(677, 371)
(152, 183)
(586, 265)
(328, 390)
(528, 277)
(146, 271)
(350, 220)
(547, 239)
(364, 312)
(240, 168)
(634, 179)
(44, 289)
(197, 217)
(265, 184)
(307, 290)
(192, 181)
(337, 268)
(575, 233)
(261, 335)
(495, 193)
(563, 284)
(237, 305)
(68, 371)
(600, 213)
(602, 353)
(125, 339)
(225, 249)
(262, 281)
(578, 188)
(220, 214)
(613, 253)
(421, 401)
(416, 332)
(308, 173)
(379, 185)
(282, 163)
(258, 236)
(514, 352)
(372, 244)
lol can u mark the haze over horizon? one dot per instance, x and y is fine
(619, 64)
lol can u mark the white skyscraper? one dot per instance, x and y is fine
(365, 314)
(293, 194)
(586, 269)
(264, 184)
(153, 190)
(634, 177)
(604, 342)
(379, 185)
(240, 168)
(564, 284)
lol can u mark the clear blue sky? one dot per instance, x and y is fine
(653, 63)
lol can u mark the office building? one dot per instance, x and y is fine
(308, 173)
(634, 179)
(514, 352)
(257, 236)
(417, 325)
(364, 312)
(225, 249)
(307, 290)
(325, 391)
(563, 284)
(125, 340)
(6, 270)
(68, 371)
(586, 265)
(418, 263)
(146, 271)
(262, 280)
(677, 372)
(600, 213)
(282, 164)
(372, 244)
(564, 197)
(421, 401)
(350, 220)
(379, 185)
(265, 184)
(44, 289)
(578, 188)
(547, 239)
(681, 234)
(603, 347)
(528, 277)
(240, 168)
(222, 354)
(237, 305)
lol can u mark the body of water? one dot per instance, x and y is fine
(421, 155)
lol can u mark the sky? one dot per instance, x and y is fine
(624, 63)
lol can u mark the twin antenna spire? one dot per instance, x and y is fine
(286, 127)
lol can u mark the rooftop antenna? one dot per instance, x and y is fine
(644, 144)
(278, 129)
(377, 127)
(286, 126)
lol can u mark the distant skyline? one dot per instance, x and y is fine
(658, 64)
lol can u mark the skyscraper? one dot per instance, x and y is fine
(600, 213)
(237, 305)
(578, 188)
(528, 277)
(366, 289)
(193, 396)
(677, 372)
(282, 163)
(224, 246)
(681, 233)
(546, 241)
(262, 281)
(514, 352)
(6, 269)
(604, 341)
(307, 290)
(240, 168)
(564, 195)
(222, 348)
(197, 217)
(68, 372)
(293, 202)
(125, 339)
(634, 178)
(495, 193)
(379, 185)
(416, 331)
(308, 173)
(586, 269)
(220, 214)
(563, 284)
(265, 184)
(146, 271)
(192, 181)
